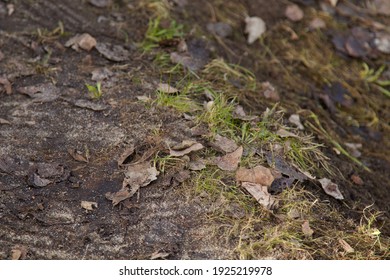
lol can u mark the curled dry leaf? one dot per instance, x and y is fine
(119, 196)
(261, 194)
(18, 252)
(330, 188)
(284, 133)
(196, 165)
(346, 246)
(224, 144)
(357, 180)
(229, 162)
(77, 155)
(90, 105)
(111, 52)
(184, 148)
(40, 182)
(255, 27)
(166, 88)
(125, 157)
(294, 13)
(295, 119)
(306, 229)
(4, 121)
(81, 41)
(259, 175)
(88, 205)
(6, 85)
(140, 175)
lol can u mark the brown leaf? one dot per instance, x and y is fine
(261, 194)
(159, 255)
(284, 133)
(45, 92)
(331, 188)
(40, 182)
(196, 165)
(83, 41)
(119, 196)
(6, 84)
(294, 13)
(357, 180)
(140, 175)
(88, 205)
(229, 162)
(240, 114)
(224, 144)
(126, 155)
(166, 88)
(111, 52)
(259, 175)
(346, 246)
(76, 155)
(306, 229)
(19, 252)
(184, 148)
(90, 105)
(4, 121)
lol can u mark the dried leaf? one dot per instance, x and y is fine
(4, 121)
(282, 166)
(261, 194)
(240, 114)
(295, 119)
(40, 182)
(101, 74)
(224, 144)
(119, 196)
(346, 246)
(306, 229)
(115, 53)
(90, 105)
(125, 157)
(294, 13)
(83, 41)
(196, 165)
(357, 180)
(76, 155)
(166, 88)
(6, 84)
(284, 133)
(186, 147)
(88, 205)
(259, 175)
(46, 92)
(18, 252)
(229, 162)
(331, 188)
(254, 27)
(159, 255)
(140, 175)
(279, 184)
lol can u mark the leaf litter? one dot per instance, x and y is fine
(184, 148)
(88, 205)
(224, 144)
(261, 194)
(331, 188)
(259, 175)
(255, 27)
(230, 161)
(81, 41)
(306, 229)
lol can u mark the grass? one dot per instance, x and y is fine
(156, 33)
(259, 233)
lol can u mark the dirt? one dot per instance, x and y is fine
(161, 217)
